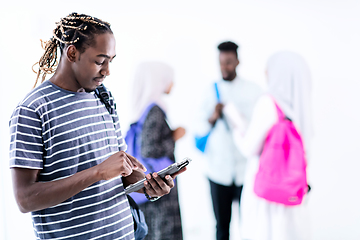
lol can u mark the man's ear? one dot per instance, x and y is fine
(71, 53)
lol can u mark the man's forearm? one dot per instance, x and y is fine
(40, 195)
(32, 195)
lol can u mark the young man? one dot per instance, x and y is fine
(225, 163)
(67, 158)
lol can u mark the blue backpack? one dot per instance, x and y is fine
(133, 141)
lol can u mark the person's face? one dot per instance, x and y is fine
(228, 64)
(92, 66)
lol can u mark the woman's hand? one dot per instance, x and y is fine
(178, 133)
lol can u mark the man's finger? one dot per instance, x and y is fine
(179, 172)
(169, 181)
(159, 181)
(136, 162)
(151, 186)
(127, 171)
(151, 180)
(129, 163)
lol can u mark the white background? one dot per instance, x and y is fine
(185, 34)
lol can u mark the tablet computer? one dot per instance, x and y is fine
(173, 168)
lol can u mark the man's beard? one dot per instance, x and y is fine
(230, 76)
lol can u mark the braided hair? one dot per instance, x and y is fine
(75, 29)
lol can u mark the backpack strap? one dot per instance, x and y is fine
(104, 95)
(217, 92)
(132, 203)
(280, 113)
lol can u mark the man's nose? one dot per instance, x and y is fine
(105, 71)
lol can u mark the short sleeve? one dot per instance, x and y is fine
(26, 143)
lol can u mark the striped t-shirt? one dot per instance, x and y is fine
(62, 133)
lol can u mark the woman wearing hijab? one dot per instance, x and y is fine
(152, 81)
(289, 86)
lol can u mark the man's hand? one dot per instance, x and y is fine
(216, 114)
(156, 187)
(117, 164)
(32, 195)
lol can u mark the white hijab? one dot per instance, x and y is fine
(289, 82)
(151, 81)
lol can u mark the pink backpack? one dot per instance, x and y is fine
(282, 166)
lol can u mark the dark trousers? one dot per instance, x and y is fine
(222, 198)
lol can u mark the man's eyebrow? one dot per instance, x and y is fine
(105, 56)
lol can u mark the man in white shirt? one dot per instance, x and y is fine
(226, 164)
